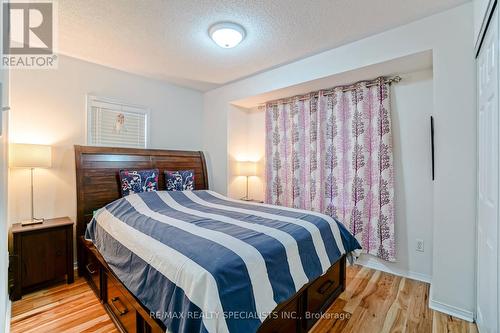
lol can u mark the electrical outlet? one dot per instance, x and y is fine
(420, 245)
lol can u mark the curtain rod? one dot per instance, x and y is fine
(352, 86)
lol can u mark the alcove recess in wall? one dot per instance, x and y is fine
(411, 104)
(246, 142)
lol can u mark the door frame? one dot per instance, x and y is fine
(492, 8)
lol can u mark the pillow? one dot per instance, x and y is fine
(182, 180)
(138, 181)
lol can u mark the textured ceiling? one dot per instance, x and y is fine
(168, 39)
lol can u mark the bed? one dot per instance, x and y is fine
(196, 261)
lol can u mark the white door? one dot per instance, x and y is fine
(487, 227)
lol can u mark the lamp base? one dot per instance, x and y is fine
(32, 221)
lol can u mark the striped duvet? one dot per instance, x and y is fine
(202, 262)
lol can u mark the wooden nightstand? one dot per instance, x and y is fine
(43, 254)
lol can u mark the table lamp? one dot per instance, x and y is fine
(30, 156)
(247, 169)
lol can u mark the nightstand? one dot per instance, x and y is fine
(43, 254)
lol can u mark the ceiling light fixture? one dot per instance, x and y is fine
(227, 34)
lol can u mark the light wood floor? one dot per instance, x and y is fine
(373, 302)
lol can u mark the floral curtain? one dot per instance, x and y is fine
(332, 152)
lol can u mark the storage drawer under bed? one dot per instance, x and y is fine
(119, 304)
(92, 272)
(320, 291)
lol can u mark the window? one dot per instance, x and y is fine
(114, 124)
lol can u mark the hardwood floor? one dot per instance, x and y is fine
(63, 308)
(373, 302)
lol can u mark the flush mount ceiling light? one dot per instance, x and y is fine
(226, 34)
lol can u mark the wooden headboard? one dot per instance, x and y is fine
(97, 174)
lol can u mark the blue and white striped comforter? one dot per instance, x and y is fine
(206, 263)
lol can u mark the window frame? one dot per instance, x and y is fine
(143, 110)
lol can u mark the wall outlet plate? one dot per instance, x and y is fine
(420, 245)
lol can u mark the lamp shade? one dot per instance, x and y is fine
(246, 168)
(30, 156)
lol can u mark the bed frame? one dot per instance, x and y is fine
(97, 184)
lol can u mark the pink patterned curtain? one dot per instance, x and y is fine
(332, 153)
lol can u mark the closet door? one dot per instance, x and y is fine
(488, 146)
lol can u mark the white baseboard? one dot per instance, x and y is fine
(7, 316)
(370, 262)
(450, 309)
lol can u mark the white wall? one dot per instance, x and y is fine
(4, 255)
(449, 36)
(48, 107)
(481, 10)
(246, 142)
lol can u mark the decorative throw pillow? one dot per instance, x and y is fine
(182, 180)
(138, 181)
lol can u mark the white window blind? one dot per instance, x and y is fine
(115, 124)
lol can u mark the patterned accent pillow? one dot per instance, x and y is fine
(182, 180)
(138, 181)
